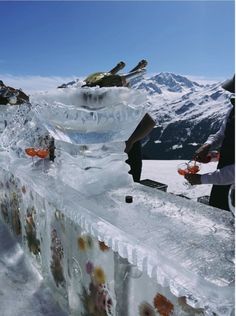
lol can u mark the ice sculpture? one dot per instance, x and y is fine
(6, 113)
(10, 99)
(90, 127)
(160, 255)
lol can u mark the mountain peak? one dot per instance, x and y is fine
(166, 81)
(173, 82)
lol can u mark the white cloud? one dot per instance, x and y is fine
(204, 80)
(30, 84)
(199, 79)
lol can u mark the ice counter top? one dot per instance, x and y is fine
(182, 244)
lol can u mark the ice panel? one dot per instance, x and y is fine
(90, 116)
(181, 243)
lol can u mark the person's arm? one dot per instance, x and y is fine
(223, 176)
(143, 129)
(213, 141)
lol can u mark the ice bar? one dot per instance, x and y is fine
(159, 255)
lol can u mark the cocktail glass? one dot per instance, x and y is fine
(191, 167)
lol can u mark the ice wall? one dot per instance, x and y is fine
(160, 255)
(6, 114)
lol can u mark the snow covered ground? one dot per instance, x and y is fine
(22, 290)
(165, 171)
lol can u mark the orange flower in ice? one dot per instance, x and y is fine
(163, 305)
(103, 246)
(85, 242)
(82, 244)
(99, 275)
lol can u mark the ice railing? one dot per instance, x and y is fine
(160, 255)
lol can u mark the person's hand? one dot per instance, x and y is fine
(201, 153)
(193, 179)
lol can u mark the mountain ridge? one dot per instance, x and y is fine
(186, 113)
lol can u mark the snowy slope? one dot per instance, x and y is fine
(165, 171)
(186, 112)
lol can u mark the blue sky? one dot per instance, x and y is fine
(77, 38)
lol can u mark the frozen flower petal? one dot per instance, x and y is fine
(89, 267)
(99, 275)
(163, 305)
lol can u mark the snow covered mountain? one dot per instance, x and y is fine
(163, 82)
(186, 112)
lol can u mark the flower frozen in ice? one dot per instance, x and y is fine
(103, 246)
(89, 241)
(89, 267)
(103, 300)
(99, 275)
(145, 309)
(85, 242)
(163, 305)
(82, 244)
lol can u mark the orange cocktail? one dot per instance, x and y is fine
(41, 153)
(191, 167)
